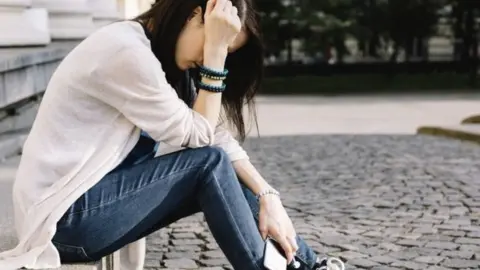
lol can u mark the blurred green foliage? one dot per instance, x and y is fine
(381, 27)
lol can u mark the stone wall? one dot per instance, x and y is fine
(24, 75)
(35, 35)
(25, 72)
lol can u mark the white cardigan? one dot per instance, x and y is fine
(107, 89)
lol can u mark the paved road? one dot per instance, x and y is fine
(380, 202)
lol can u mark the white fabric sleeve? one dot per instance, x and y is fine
(134, 82)
(223, 139)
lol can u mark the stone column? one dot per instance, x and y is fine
(21, 25)
(104, 12)
(145, 5)
(132, 8)
(121, 8)
(68, 19)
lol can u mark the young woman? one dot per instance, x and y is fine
(129, 139)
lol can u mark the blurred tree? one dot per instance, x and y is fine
(326, 24)
(271, 13)
(371, 26)
(463, 14)
(411, 23)
(290, 26)
(466, 33)
(378, 25)
(457, 20)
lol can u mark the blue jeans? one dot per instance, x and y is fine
(139, 198)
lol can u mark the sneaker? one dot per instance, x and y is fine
(331, 263)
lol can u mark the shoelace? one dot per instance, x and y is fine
(333, 264)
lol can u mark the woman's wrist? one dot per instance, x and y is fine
(214, 57)
(212, 79)
(267, 192)
(269, 199)
(211, 82)
(258, 185)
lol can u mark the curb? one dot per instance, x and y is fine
(462, 132)
(474, 119)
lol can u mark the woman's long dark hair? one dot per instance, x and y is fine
(167, 18)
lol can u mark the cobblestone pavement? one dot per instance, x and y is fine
(378, 202)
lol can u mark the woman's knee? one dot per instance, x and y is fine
(214, 155)
(217, 162)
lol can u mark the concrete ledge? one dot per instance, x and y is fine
(24, 75)
(25, 72)
(7, 232)
(474, 119)
(15, 58)
(11, 144)
(467, 132)
(85, 266)
(14, 128)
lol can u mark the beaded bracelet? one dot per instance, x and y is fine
(267, 192)
(213, 74)
(211, 77)
(211, 88)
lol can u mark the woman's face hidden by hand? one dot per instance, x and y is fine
(190, 44)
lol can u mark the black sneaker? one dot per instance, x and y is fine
(330, 263)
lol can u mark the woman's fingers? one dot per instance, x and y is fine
(292, 235)
(281, 238)
(286, 246)
(228, 7)
(234, 11)
(263, 225)
(292, 239)
(210, 6)
(220, 5)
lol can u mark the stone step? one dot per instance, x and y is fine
(467, 132)
(25, 72)
(32, 21)
(68, 19)
(86, 266)
(11, 144)
(7, 233)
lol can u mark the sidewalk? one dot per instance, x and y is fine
(386, 114)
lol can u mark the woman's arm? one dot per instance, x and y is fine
(250, 176)
(222, 24)
(245, 170)
(273, 218)
(133, 82)
(209, 103)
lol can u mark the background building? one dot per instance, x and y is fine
(130, 8)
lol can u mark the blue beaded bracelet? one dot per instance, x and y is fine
(211, 88)
(208, 72)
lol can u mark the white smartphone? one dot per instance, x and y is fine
(274, 257)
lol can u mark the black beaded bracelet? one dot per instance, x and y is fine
(208, 72)
(212, 88)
